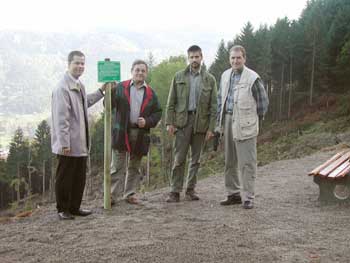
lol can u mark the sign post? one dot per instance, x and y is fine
(108, 71)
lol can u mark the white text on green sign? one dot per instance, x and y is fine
(108, 71)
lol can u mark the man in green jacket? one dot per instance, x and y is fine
(190, 116)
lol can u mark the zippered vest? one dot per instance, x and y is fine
(245, 123)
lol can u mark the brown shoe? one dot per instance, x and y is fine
(234, 199)
(173, 197)
(191, 196)
(131, 199)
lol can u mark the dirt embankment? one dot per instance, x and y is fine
(286, 225)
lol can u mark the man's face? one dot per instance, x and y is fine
(139, 73)
(76, 66)
(195, 59)
(237, 60)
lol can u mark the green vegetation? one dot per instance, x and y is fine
(25, 165)
(311, 132)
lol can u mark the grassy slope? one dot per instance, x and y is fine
(324, 125)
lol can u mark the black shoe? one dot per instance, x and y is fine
(82, 212)
(232, 200)
(191, 196)
(65, 216)
(248, 204)
(173, 197)
(133, 200)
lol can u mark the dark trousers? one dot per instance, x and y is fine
(70, 182)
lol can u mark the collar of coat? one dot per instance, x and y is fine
(146, 99)
(203, 69)
(73, 84)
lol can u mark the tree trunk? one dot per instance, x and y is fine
(281, 95)
(312, 71)
(18, 185)
(290, 87)
(148, 166)
(164, 163)
(43, 178)
(52, 180)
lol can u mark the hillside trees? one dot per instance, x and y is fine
(27, 162)
(221, 62)
(42, 156)
(298, 59)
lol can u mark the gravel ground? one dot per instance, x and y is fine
(286, 225)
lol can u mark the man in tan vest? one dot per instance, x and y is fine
(242, 102)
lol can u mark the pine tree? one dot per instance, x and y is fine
(18, 154)
(248, 41)
(221, 62)
(18, 159)
(42, 156)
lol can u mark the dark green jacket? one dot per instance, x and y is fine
(150, 110)
(178, 100)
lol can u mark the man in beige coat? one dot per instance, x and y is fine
(70, 137)
(242, 102)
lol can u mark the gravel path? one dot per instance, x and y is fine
(286, 225)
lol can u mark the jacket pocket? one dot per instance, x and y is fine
(249, 126)
(205, 96)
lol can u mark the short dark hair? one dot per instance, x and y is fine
(74, 53)
(238, 48)
(194, 48)
(138, 62)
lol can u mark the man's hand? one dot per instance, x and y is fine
(104, 86)
(141, 122)
(170, 129)
(209, 135)
(65, 150)
(219, 129)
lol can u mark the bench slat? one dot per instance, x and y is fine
(344, 172)
(327, 170)
(339, 169)
(325, 164)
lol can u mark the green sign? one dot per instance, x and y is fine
(108, 71)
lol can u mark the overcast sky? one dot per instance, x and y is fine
(223, 16)
(165, 21)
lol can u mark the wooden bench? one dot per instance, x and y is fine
(333, 178)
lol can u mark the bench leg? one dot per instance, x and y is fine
(327, 186)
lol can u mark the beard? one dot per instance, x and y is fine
(195, 65)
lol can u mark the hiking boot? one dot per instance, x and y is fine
(65, 216)
(132, 199)
(191, 196)
(234, 199)
(173, 197)
(248, 204)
